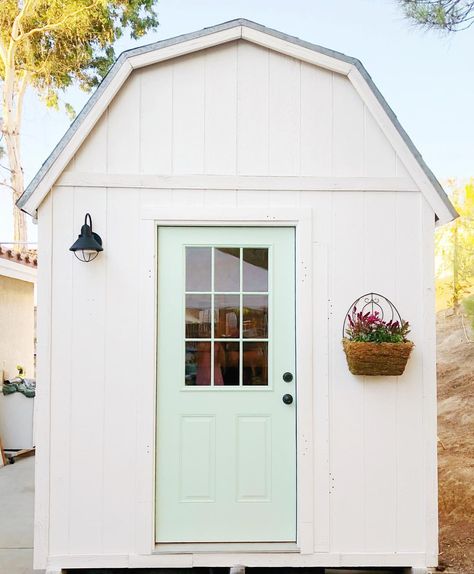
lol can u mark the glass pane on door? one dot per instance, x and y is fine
(227, 269)
(255, 365)
(227, 314)
(255, 316)
(198, 268)
(198, 316)
(197, 363)
(255, 269)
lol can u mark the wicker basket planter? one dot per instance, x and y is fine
(375, 359)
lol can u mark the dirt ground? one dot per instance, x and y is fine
(455, 358)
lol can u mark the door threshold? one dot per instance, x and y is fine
(224, 547)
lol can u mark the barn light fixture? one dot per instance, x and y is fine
(88, 244)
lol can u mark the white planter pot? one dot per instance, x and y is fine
(16, 421)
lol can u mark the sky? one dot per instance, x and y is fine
(426, 76)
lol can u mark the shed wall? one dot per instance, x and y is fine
(375, 436)
(234, 112)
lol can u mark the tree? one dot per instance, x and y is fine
(447, 15)
(454, 244)
(49, 45)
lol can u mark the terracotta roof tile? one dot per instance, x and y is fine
(28, 257)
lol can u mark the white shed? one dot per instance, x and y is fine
(248, 187)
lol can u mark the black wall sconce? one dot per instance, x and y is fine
(88, 244)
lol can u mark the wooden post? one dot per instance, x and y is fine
(2, 453)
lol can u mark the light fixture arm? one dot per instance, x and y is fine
(88, 217)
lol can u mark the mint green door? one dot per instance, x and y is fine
(226, 439)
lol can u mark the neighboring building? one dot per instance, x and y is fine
(17, 342)
(247, 179)
(17, 312)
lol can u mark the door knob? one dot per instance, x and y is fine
(287, 399)
(287, 377)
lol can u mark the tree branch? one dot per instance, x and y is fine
(5, 184)
(6, 168)
(58, 24)
(19, 17)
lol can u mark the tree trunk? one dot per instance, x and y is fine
(456, 286)
(14, 87)
(12, 141)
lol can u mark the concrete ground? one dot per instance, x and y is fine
(16, 517)
(16, 526)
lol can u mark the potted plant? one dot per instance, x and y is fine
(376, 347)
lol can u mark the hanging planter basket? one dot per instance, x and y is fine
(377, 359)
(370, 313)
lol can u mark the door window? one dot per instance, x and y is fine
(226, 317)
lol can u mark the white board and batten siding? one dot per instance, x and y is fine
(238, 110)
(237, 128)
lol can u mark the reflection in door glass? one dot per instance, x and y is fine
(198, 363)
(255, 363)
(226, 363)
(227, 269)
(198, 268)
(255, 316)
(255, 269)
(226, 316)
(198, 316)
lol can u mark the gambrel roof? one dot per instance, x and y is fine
(221, 34)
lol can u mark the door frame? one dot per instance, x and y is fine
(152, 217)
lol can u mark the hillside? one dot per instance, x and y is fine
(455, 359)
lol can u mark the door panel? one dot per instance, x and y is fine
(226, 445)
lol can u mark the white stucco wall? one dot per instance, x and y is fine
(17, 326)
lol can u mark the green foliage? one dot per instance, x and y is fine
(447, 15)
(370, 328)
(70, 111)
(64, 42)
(454, 247)
(468, 305)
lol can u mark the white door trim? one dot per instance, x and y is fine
(153, 217)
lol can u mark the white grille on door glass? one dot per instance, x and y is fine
(226, 318)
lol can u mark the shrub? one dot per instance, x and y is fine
(468, 305)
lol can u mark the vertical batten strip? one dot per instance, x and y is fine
(429, 384)
(322, 483)
(380, 392)
(411, 494)
(43, 429)
(220, 110)
(347, 454)
(87, 390)
(121, 381)
(144, 476)
(62, 318)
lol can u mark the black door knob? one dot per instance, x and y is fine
(287, 399)
(287, 377)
